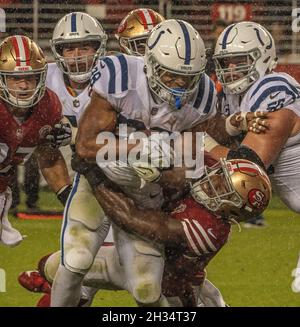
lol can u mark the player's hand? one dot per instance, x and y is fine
(60, 135)
(255, 122)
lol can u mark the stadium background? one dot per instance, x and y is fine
(254, 269)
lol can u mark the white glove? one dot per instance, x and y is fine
(146, 172)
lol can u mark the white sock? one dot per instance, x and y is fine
(66, 288)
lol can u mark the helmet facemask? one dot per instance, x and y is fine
(235, 189)
(10, 95)
(237, 79)
(134, 46)
(215, 189)
(174, 97)
(79, 68)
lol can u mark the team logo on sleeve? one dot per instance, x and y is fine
(257, 198)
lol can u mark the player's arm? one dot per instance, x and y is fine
(266, 145)
(54, 170)
(99, 116)
(152, 225)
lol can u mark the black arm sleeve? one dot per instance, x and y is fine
(244, 152)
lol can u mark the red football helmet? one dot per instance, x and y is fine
(235, 188)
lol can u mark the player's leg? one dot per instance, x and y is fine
(143, 265)
(83, 232)
(286, 183)
(210, 296)
(8, 235)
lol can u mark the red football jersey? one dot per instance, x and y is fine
(205, 234)
(19, 140)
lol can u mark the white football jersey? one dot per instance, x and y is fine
(72, 106)
(270, 93)
(122, 81)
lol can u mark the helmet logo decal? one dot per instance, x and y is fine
(269, 46)
(73, 23)
(187, 41)
(258, 36)
(257, 198)
(224, 42)
(157, 39)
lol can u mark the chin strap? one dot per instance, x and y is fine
(177, 92)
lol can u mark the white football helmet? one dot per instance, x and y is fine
(251, 50)
(175, 47)
(73, 28)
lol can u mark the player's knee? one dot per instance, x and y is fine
(147, 291)
(293, 204)
(78, 260)
(48, 266)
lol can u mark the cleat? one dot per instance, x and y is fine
(34, 282)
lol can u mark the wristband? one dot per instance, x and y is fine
(63, 194)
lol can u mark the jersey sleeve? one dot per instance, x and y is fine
(273, 92)
(111, 79)
(206, 99)
(205, 233)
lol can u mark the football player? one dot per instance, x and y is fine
(30, 114)
(143, 101)
(134, 29)
(192, 231)
(78, 41)
(245, 58)
(168, 91)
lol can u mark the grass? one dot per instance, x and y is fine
(253, 269)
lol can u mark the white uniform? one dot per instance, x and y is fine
(122, 81)
(72, 108)
(270, 93)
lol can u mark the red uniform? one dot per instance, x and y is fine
(19, 140)
(205, 234)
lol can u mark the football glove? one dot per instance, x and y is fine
(146, 172)
(60, 135)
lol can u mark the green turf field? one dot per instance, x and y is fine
(253, 269)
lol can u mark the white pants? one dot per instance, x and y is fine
(8, 235)
(142, 261)
(107, 273)
(286, 179)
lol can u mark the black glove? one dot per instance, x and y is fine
(91, 171)
(60, 135)
(63, 194)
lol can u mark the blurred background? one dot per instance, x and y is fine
(38, 17)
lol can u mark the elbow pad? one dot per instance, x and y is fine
(243, 152)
